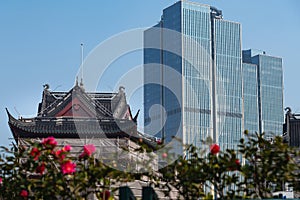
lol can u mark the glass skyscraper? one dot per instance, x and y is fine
(269, 89)
(193, 77)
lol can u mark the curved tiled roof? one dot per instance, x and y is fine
(71, 127)
(41, 127)
(97, 115)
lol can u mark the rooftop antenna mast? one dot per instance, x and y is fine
(81, 81)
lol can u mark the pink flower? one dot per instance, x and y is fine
(214, 149)
(35, 153)
(1, 181)
(89, 149)
(60, 154)
(24, 193)
(41, 168)
(68, 167)
(67, 148)
(164, 155)
(49, 142)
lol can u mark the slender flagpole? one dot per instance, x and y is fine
(81, 82)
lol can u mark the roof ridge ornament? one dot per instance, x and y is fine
(76, 82)
(122, 89)
(81, 83)
(136, 116)
(46, 86)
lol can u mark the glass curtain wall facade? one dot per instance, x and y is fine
(250, 90)
(228, 82)
(209, 61)
(197, 87)
(172, 69)
(270, 94)
(270, 90)
(153, 81)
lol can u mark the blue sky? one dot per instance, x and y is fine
(40, 42)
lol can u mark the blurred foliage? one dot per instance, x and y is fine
(255, 169)
(42, 176)
(269, 164)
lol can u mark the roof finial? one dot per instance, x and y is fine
(121, 88)
(81, 82)
(76, 83)
(46, 86)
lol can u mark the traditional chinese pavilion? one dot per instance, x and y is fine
(78, 117)
(77, 114)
